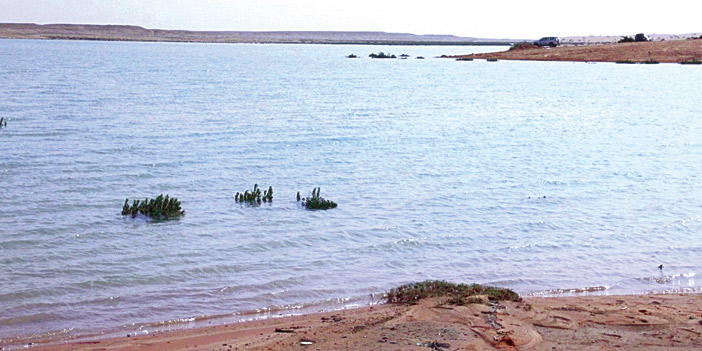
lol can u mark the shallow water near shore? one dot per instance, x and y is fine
(547, 178)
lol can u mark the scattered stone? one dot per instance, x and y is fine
(282, 330)
(306, 342)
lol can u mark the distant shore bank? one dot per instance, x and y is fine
(139, 34)
(673, 51)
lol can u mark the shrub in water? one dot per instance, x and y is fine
(158, 208)
(254, 196)
(316, 202)
(382, 55)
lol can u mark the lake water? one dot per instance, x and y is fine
(538, 176)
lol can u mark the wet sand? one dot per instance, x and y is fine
(674, 51)
(633, 322)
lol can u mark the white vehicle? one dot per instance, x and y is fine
(548, 41)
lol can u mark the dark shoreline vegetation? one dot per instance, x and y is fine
(140, 34)
(457, 294)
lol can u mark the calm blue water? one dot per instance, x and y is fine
(536, 176)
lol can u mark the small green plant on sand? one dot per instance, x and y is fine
(458, 294)
(158, 208)
(255, 196)
(316, 202)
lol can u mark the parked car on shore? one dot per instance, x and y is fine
(642, 37)
(548, 41)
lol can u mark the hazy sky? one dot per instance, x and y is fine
(486, 18)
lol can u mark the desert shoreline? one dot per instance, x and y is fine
(674, 51)
(629, 322)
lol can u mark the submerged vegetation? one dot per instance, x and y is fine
(158, 208)
(316, 202)
(255, 196)
(458, 294)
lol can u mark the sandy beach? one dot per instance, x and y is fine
(632, 322)
(674, 51)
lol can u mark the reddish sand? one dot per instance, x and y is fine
(661, 51)
(637, 322)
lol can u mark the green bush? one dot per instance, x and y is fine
(254, 196)
(316, 202)
(158, 208)
(458, 294)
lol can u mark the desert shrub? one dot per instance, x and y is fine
(626, 39)
(522, 46)
(459, 294)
